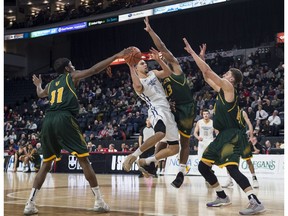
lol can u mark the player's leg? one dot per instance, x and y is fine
(252, 170)
(161, 164)
(30, 207)
(100, 205)
(184, 155)
(255, 205)
(160, 131)
(229, 181)
(144, 164)
(222, 199)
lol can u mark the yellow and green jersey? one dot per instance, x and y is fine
(62, 95)
(177, 89)
(227, 115)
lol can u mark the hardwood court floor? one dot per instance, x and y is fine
(70, 194)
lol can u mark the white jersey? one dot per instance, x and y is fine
(153, 94)
(206, 132)
(158, 106)
(206, 129)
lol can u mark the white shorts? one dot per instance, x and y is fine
(202, 145)
(169, 121)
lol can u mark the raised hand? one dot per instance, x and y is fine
(37, 81)
(202, 50)
(155, 54)
(125, 52)
(187, 46)
(148, 27)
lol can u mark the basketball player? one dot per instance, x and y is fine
(247, 151)
(150, 90)
(60, 128)
(178, 92)
(204, 132)
(225, 150)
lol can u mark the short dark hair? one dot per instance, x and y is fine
(60, 64)
(237, 74)
(205, 110)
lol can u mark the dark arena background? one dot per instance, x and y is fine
(245, 34)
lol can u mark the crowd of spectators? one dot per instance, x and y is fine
(110, 110)
(70, 12)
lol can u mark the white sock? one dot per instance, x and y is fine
(218, 188)
(182, 168)
(97, 193)
(33, 194)
(248, 193)
(150, 160)
(137, 153)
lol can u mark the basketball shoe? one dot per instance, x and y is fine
(253, 208)
(101, 206)
(129, 160)
(178, 180)
(30, 208)
(219, 202)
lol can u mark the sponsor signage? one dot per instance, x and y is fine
(72, 27)
(135, 15)
(272, 165)
(16, 36)
(103, 21)
(173, 8)
(60, 29)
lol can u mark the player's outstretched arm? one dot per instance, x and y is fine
(158, 42)
(137, 85)
(166, 70)
(100, 66)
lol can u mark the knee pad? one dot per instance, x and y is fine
(160, 127)
(207, 173)
(241, 179)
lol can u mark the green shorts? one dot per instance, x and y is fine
(60, 130)
(184, 117)
(36, 159)
(226, 149)
(245, 149)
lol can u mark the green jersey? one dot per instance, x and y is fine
(177, 89)
(62, 95)
(227, 115)
(242, 122)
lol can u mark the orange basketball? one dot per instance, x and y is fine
(134, 57)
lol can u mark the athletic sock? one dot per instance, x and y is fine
(254, 176)
(137, 153)
(253, 196)
(182, 168)
(97, 193)
(220, 192)
(33, 194)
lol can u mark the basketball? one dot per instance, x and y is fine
(134, 57)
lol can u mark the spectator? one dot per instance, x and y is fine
(117, 134)
(274, 123)
(251, 115)
(267, 147)
(39, 148)
(124, 147)
(11, 150)
(256, 147)
(91, 147)
(100, 148)
(112, 148)
(261, 115)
